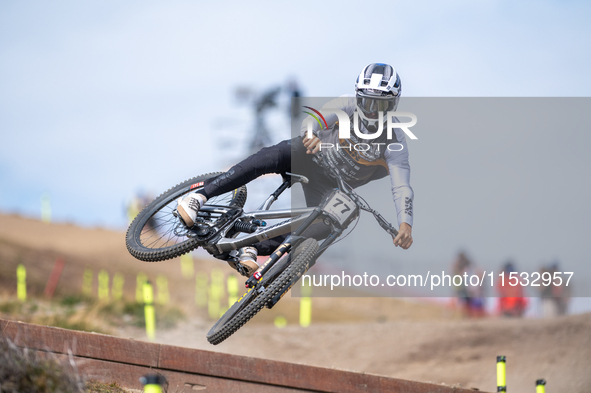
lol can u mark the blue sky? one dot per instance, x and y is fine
(101, 99)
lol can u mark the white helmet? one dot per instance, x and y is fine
(377, 89)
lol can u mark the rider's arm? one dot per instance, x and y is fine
(399, 169)
(345, 103)
(402, 193)
(331, 119)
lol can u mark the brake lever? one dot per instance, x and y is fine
(298, 178)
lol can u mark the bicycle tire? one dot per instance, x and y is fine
(157, 217)
(252, 301)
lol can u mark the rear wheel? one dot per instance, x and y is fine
(156, 234)
(258, 297)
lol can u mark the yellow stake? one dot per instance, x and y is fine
(153, 383)
(162, 283)
(216, 290)
(306, 306)
(501, 371)
(87, 283)
(152, 388)
(139, 287)
(213, 304)
(305, 311)
(117, 289)
(232, 283)
(149, 312)
(201, 290)
(280, 322)
(103, 285)
(133, 209)
(187, 266)
(21, 282)
(217, 277)
(540, 386)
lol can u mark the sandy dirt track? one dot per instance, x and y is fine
(382, 336)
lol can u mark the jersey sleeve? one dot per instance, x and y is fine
(399, 169)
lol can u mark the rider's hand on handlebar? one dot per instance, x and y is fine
(312, 144)
(404, 238)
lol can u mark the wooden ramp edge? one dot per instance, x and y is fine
(106, 358)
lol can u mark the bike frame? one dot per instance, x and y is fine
(299, 218)
(339, 218)
(277, 275)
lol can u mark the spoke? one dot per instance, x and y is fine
(163, 223)
(154, 230)
(169, 237)
(160, 231)
(151, 236)
(160, 238)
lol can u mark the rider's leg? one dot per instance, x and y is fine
(247, 256)
(273, 159)
(315, 191)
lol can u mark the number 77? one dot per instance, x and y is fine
(346, 209)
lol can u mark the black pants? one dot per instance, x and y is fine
(278, 159)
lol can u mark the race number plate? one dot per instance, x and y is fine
(340, 206)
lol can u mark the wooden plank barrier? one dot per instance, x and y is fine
(106, 358)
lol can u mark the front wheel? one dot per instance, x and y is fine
(157, 234)
(259, 296)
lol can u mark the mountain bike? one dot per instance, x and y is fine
(222, 227)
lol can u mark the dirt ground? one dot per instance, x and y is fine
(403, 339)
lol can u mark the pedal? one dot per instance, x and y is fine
(236, 265)
(201, 230)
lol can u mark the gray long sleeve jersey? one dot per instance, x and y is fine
(360, 161)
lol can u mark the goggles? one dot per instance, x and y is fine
(371, 106)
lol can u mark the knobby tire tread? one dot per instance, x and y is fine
(305, 252)
(156, 255)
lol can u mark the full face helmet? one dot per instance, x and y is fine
(377, 89)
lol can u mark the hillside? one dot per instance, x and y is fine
(409, 340)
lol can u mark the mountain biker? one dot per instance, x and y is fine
(377, 88)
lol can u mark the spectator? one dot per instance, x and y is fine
(470, 297)
(512, 303)
(555, 298)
